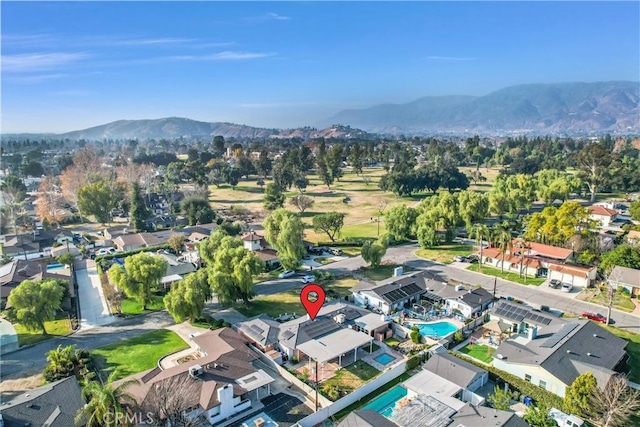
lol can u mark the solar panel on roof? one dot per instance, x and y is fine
(559, 336)
(257, 329)
(287, 334)
(412, 288)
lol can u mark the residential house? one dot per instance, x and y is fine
(633, 237)
(470, 302)
(540, 260)
(628, 278)
(602, 215)
(477, 416)
(52, 405)
(176, 268)
(129, 242)
(392, 294)
(221, 384)
(551, 352)
(465, 375)
(366, 418)
(17, 271)
(20, 245)
(164, 222)
(258, 245)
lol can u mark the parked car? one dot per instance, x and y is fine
(566, 287)
(286, 274)
(460, 258)
(105, 251)
(335, 251)
(555, 283)
(596, 317)
(308, 279)
(473, 259)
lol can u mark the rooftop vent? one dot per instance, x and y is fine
(588, 354)
(459, 288)
(195, 371)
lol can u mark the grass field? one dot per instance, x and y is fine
(383, 271)
(633, 349)
(481, 352)
(348, 379)
(289, 302)
(132, 307)
(55, 328)
(620, 301)
(445, 253)
(514, 277)
(137, 354)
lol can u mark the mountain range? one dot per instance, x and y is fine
(531, 108)
(563, 108)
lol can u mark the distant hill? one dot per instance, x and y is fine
(176, 127)
(532, 108)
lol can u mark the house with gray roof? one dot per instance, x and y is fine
(628, 278)
(551, 352)
(53, 405)
(464, 374)
(482, 416)
(366, 418)
(469, 301)
(392, 294)
(262, 331)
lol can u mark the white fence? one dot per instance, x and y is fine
(353, 397)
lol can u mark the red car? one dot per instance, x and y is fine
(596, 317)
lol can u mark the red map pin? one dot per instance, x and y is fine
(312, 306)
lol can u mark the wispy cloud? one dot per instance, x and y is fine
(37, 78)
(270, 16)
(221, 56)
(450, 58)
(33, 62)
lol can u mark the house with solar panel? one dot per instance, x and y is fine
(391, 295)
(551, 352)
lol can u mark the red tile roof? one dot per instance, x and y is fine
(573, 270)
(602, 211)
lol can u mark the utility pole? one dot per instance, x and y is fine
(316, 382)
(495, 285)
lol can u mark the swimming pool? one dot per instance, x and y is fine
(54, 266)
(437, 329)
(384, 359)
(384, 404)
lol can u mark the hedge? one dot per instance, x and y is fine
(538, 394)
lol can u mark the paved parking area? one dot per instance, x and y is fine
(283, 409)
(93, 305)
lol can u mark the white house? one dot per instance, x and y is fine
(629, 278)
(258, 245)
(552, 352)
(603, 215)
(390, 295)
(469, 302)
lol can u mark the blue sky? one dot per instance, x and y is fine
(68, 66)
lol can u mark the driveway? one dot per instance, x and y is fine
(94, 310)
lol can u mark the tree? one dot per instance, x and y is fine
(479, 232)
(36, 302)
(500, 399)
(415, 335)
(167, 407)
(301, 202)
(105, 403)
(538, 416)
(230, 267)
(218, 144)
(623, 255)
(13, 194)
(616, 404)
(64, 362)
(577, 398)
(505, 239)
(400, 222)
(176, 242)
(138, 210)
(285, 231)
(66, 259)
(356, 158)
(634, 210)
(273, 197)
(263, 164)
(373, 252)
(186, 298)
(85, 165)
(593, 166)
(197, 210)
(140, 277)
(557, 225)
(34, 168)
(330, 223)
(50, 201)
(96, 199)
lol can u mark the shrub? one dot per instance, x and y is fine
(133, 252)
(415, 335)
(323, 275)
(413, 362)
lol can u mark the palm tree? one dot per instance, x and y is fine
(479, 232)
(504, 240)
(104, 401)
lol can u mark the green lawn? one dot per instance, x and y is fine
(351, 250)
(633, 349)
(620, 301)
(130, 306)
(445, 253)
(341, 287)
(137, 354)
(55, 328)
(514, 277)
(323, 261)
(381, 272)
(392, 342)
(348, 379)
(367, 229)
(480, 352)
(269, 275)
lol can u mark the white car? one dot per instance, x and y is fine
(308, 279)
(286, 274)
(566, 287)
(106, 251)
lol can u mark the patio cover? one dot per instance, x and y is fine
(333, 345)
(497, 326)
(170, 279)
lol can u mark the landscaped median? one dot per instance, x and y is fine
(506, 275)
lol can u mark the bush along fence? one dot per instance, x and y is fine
(539, 395)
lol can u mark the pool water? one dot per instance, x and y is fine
(384, 404)
(438, 329)
(384, 359)
(54, 266)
